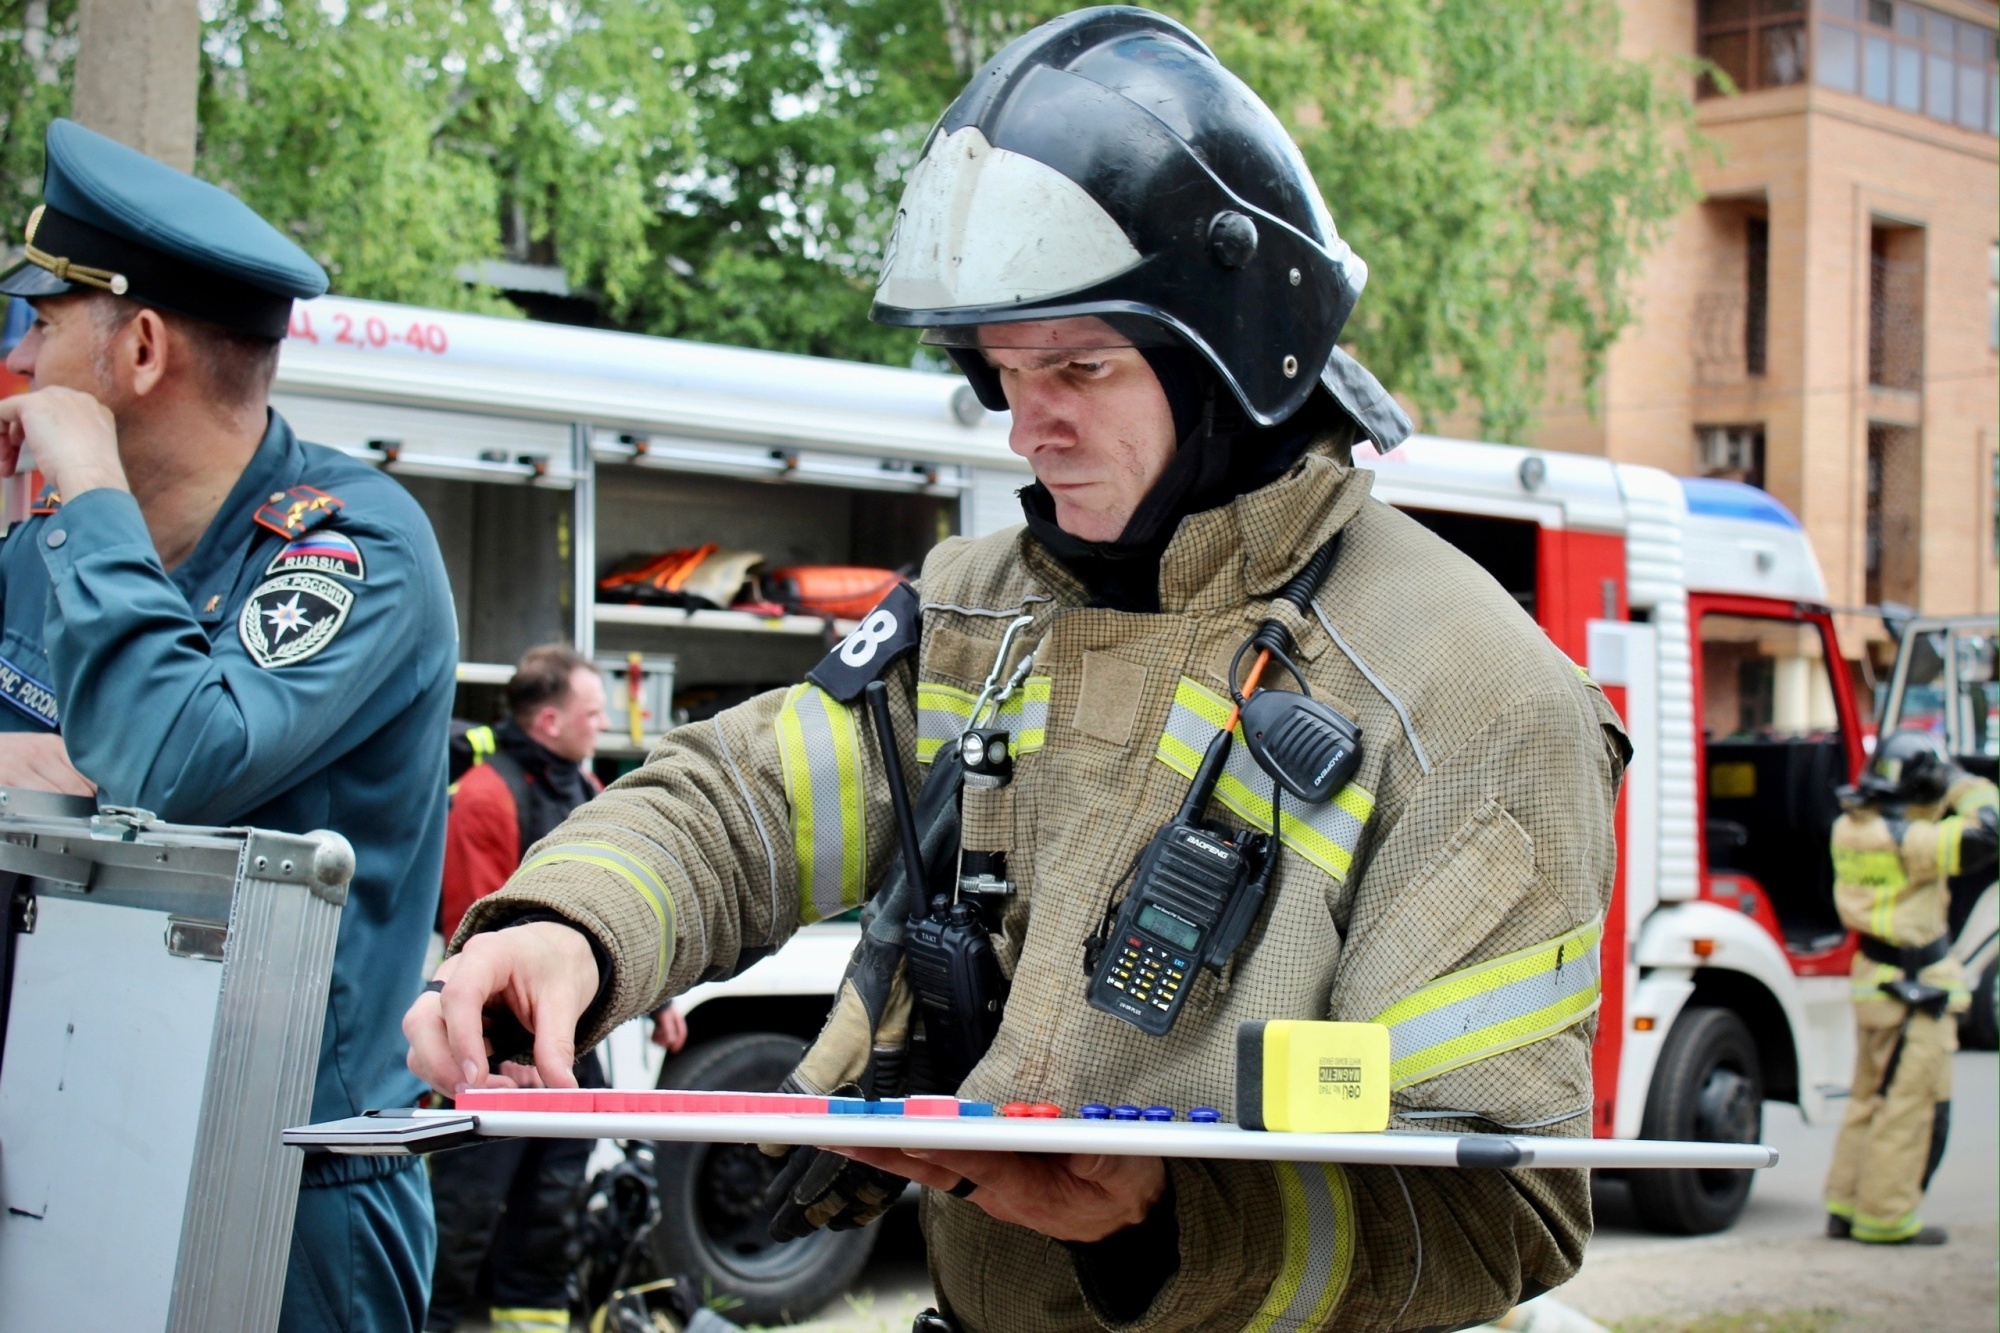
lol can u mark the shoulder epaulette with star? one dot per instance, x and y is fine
(298, 510)
(46, 503)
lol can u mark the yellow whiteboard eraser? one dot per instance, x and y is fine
(1312, 1078)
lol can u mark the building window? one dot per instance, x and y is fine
(1905, 55)
(1896, 307)
(1892, 556)
(1756, 43)
(1756, 292)
(1733, 453)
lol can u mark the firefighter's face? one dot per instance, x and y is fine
(1089, 416)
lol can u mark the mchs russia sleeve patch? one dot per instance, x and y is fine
(321, 552)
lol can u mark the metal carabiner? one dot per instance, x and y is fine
(986, 691)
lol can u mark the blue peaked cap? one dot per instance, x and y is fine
(113, 219)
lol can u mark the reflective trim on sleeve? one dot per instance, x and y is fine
(944, 710)
(1950, 845)
(1326, 835)
(1867, 985)
(634, 872)
(1492, 1007)
(1319, 1247)
(524, 1319)
(821, 749)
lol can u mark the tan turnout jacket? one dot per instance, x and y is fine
(1452, 891)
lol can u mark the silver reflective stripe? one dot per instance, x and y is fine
(821, 750)
(1491, 1007)
(1319, 1247)
(1327, 835)
(944, 710)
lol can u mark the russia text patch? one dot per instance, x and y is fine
(321, 552)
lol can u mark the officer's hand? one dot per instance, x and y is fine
(71, 435)
(542, 971)
(40, 762)
(1065, 1196)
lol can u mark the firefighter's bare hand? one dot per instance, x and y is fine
(40, 762)
(542, 971)
(71, 435)
(1064, 1196)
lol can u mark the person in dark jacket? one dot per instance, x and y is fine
(509, 1199)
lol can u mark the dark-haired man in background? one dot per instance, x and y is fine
(212, 620)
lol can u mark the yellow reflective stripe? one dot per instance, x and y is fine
(1868, 986)
(483, 743)
(1881, 873)
(1845, 1210)
(633, 871)
(1950, 838)
(1881, 1229)
(1319, 1247)
(943, 711)
(1978, 797)
(1326, 835)
(524, 1320)
(1492, 1007)
(820, 747)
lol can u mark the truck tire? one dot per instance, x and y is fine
(1977, 1027)
(713, 1222)
(1709, 1088)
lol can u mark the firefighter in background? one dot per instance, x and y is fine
(510, 1199)
(1913, 822)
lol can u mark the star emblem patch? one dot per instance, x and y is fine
(292, 617)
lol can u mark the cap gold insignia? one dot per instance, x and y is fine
(60, 265)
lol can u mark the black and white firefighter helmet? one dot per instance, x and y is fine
(1909, 765)
(1107, 164)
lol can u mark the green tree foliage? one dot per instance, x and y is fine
(401, 141)
(37, 61)
(728, 169)
(1502, 172)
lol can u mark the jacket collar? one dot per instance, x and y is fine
(1245, 549)
(275, 466)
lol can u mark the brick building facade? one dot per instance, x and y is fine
(1826, 322)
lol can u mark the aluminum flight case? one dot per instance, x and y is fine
(162, 993)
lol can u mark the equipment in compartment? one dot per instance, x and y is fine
(845, 592)
(638, 694)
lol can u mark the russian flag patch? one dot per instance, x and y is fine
(321, 552)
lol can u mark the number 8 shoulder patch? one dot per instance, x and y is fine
(885, 634)
(292, 617)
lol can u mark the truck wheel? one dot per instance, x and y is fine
(1977, 1028)
(1708, 1088)
(713, 1222)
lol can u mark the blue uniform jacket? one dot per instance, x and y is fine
(291, 685)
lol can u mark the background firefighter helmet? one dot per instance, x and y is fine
(1909, 766)
(1107, 164)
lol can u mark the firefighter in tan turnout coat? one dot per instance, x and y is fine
(1186, 469)
(1913, 823)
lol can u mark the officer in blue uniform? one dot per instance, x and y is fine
(213, 620)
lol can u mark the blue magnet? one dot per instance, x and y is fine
(1124, 1113)
(1205, 1115)
(1157, 1113)
(1094, 1111)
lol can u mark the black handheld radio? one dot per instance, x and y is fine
(1198, 887)
(1188, 894)
(952, 967)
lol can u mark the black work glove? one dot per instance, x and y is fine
(823, 1189)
